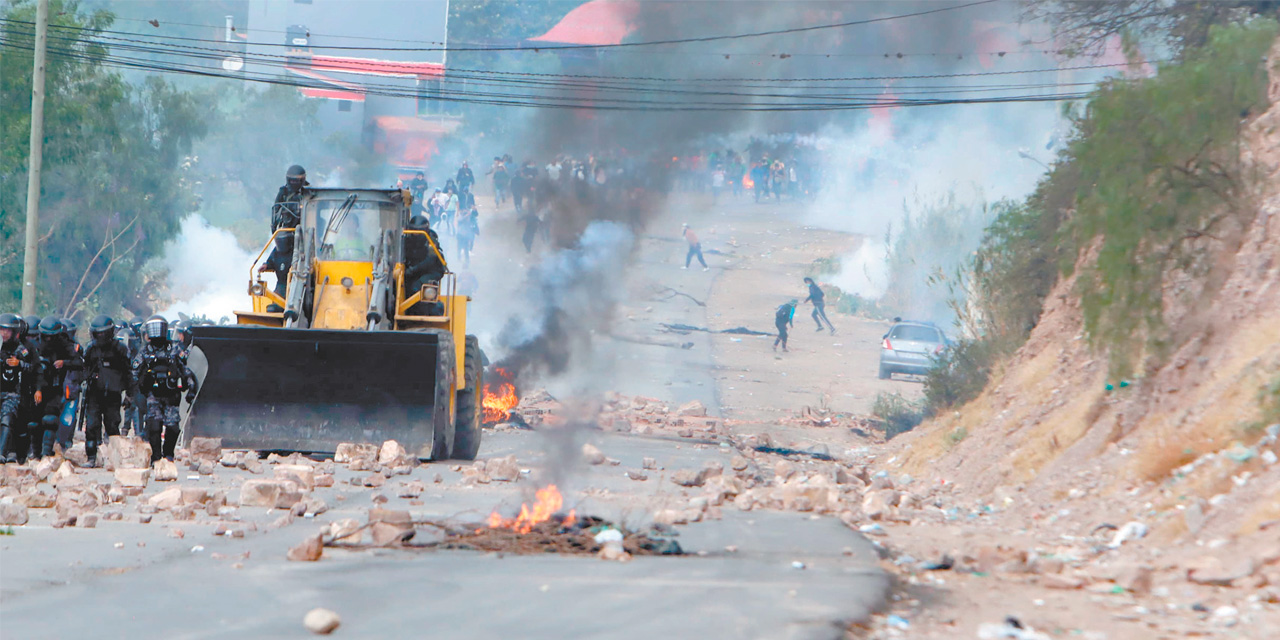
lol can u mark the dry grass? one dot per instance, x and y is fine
(1057, 431)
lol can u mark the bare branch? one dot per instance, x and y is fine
(108, 241)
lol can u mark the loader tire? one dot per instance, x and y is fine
(442, 420)
(467, 429)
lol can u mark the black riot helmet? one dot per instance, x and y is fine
(13, 323)
(30, 324)
(419, 223)
(135, 325)
(103, 329)
(51, 327)
(296, 177)
(69, 328)
(156, 330)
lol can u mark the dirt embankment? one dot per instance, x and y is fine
(1063, 456)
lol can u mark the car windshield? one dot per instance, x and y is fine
(915, 333)
(348, 235)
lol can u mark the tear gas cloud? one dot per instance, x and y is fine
(207, 270)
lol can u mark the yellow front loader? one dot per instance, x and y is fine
(351, 352)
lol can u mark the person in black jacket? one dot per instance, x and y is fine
(783, 317)
(107, 371)
(17, 364)
(163, 377)
(423, 264)
(816, 296)
(465, 178)
(59, 356)
(286, 213)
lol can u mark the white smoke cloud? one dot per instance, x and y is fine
(208, 271)
(865, 272)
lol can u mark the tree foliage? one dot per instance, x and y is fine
(115, 181)
(1160, 170)
(1087, 26)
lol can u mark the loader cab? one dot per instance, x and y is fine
(349, 269)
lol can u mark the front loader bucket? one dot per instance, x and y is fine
(308, 390)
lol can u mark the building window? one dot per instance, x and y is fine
(344, 105)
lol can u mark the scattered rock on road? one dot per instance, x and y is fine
(592, 455)
(321, 621)
(308, 550)
(13, 514)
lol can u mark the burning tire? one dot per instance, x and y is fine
(466, 435)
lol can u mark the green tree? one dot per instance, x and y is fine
(115, 179)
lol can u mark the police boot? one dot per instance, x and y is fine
(46, 448)
(91, 452)
(5, 454)
(170, 441)
(153, 437)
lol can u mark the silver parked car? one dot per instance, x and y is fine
(910, 347)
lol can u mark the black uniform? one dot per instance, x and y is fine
(286, 213)
(422, 263)
(163, 376)
(53, 384)
(17, 366)
(107, 371)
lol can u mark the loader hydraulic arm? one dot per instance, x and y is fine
(382, 282)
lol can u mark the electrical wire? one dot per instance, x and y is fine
(622, 45)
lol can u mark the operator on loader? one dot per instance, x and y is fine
(285, 214)
(422, 264)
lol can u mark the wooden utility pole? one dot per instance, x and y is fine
(35, 158)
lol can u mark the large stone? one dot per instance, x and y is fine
(693, 408)
(194, 495)
(390, 527)
(168, 499)
(308, 550)
(348, 452)
(164, 471)
(784, 469)
(346, 531)
(132, 477)
(301, 474)
(12, 514)
(36, 499)
(321, 621)
(125, 452)
(688, 478)
(592, 455)
(878, 505)
(206, 449)
(71, 503)
(392, 454)
(1211, 571)
(273, 494)
(504, 469)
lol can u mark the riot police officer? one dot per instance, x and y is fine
(74, 390)
(17, 363)
(286, 213)
(422, 263)
(162, 375)
(107, 372)
(25, 439)
(59, 356)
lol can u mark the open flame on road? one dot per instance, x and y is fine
(499, 396)
(548, 502)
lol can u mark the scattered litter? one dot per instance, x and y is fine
(797, 565)
(783, 451)
(197, 549)
(1131, 531)
(897, 622)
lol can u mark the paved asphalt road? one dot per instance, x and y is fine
(74, 583)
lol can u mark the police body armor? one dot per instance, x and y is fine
(162, 373)
(12, 379)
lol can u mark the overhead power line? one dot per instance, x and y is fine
(622, 45)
